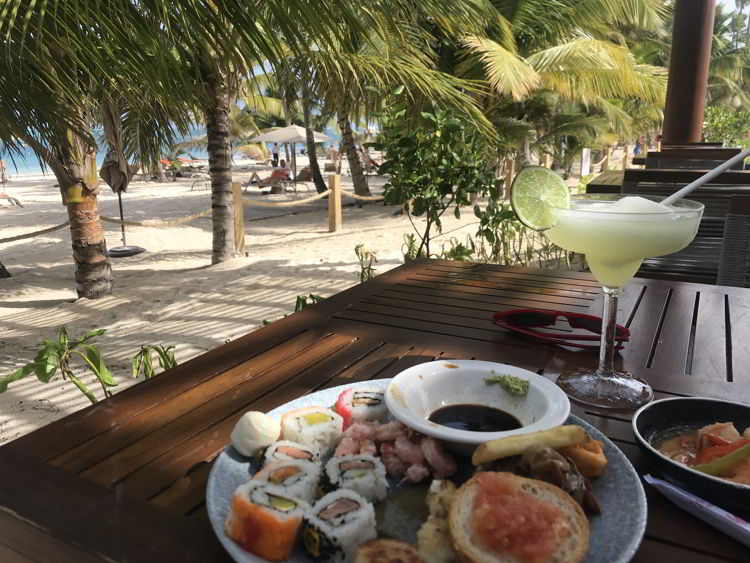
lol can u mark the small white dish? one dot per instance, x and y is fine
(415, 393)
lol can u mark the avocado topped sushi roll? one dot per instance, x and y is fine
(313, 426)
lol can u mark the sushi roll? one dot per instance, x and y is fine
(336, 525)
(285, 450)
(264, 519)
(298, 478)
(364, 474)
(313, 426)
(366, 403)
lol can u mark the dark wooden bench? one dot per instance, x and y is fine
(692, 158)
(734, 261)
(699, 262)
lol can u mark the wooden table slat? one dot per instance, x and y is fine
(136, 427)
(139, 453)
(425, 294)
(710, 340)
(469, 290)
(204, 445)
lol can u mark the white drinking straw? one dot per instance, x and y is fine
(707, 177)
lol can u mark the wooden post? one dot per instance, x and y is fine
(607, 156)
(334, 203)
(547, 160)
(625, 157)
(239, 218)
(510, 165)
(692, 35)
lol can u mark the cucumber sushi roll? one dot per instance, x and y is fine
(336, 525)
(285, 450)
(364, 403)
(264, 519)
(298, 478)
(362, 473)
(313, 426)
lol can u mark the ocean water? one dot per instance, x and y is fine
(28, 164)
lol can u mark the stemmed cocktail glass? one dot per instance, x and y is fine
(616, 236)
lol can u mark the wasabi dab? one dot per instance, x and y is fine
(516, 386)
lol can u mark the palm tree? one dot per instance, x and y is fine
(56, 78)
(562, 67)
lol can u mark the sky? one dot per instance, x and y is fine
(728, 3)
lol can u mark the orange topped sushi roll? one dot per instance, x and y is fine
(264, 519)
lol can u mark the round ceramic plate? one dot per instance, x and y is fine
(615, 534)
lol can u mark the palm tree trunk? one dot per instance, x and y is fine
(93, 268)
(312, 154)
(75, 170)
(160, 171)
(219, 166)
(355, 166)
(78, 184)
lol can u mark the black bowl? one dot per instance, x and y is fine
(652, 420)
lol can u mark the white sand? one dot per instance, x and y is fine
(170, 294)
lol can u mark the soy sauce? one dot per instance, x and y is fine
(475, 418)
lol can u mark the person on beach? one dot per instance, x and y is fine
(275, 154)
(282, 173)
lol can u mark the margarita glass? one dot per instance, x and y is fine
(615, 233)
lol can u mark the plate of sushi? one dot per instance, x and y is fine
(333, 477)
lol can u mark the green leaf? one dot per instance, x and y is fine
(82, 386)
(62, 337)
(136, 364)
(20, 373)
(166, 357)
(46, 363)
(93, 334)
(429, 116)
(398, 90)
(457, 212)
(97, 366)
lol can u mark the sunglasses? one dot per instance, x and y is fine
(524, 321)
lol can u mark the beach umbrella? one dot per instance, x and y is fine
(292, 134)
(116, 172)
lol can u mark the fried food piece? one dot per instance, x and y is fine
(588, 457)
(554, 438)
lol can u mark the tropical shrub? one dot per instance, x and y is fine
(727, 125)
(143, 360)
(68, 356)
(61, 355)
(366, 259)
(434, 164)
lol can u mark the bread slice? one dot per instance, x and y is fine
(470, 549)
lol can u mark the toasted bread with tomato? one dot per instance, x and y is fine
(569, 531)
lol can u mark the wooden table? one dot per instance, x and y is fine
(608, 182)
(124, 480)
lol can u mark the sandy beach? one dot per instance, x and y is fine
(170, 295)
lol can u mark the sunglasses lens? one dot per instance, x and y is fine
(592, 325)
(531, 319)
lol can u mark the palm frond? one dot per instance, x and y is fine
(507, 73)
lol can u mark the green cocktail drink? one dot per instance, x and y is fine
(615, 233)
